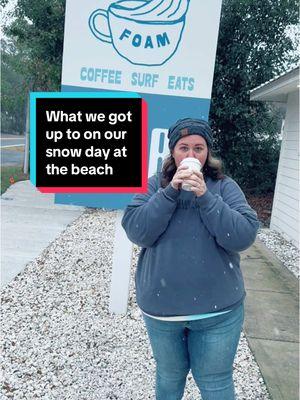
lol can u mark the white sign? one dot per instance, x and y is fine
(159, 46)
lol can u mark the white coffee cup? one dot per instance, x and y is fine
(194, 165)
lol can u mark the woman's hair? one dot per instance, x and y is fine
(212, 168)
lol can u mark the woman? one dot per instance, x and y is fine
(189, 285)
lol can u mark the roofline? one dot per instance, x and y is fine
(277, 84)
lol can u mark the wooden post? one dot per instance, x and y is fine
(120, 278)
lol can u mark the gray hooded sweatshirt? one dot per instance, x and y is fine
(189, 262)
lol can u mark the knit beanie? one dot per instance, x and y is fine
(189, 126)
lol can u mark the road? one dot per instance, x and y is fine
(12, 150)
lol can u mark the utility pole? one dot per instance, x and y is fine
(26, 153)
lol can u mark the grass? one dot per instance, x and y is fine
(10, 175)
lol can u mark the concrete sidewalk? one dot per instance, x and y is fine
(30, 221)
(272, 320)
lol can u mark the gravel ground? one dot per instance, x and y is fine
(59, 340)
(287, 253)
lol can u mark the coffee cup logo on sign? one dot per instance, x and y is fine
(144, 32)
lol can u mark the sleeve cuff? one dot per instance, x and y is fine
(206, 199)
(170, 192)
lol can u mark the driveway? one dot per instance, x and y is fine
(12, 150)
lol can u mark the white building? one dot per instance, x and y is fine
(285, 211)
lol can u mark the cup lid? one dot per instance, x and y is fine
(190, 159)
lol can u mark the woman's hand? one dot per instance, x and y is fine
(183, 172)
(197, 183)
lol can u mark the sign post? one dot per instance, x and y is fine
(120, 278)
(163, 50)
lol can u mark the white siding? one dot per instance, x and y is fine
(285, 212)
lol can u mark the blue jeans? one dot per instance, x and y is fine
(206, 346)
